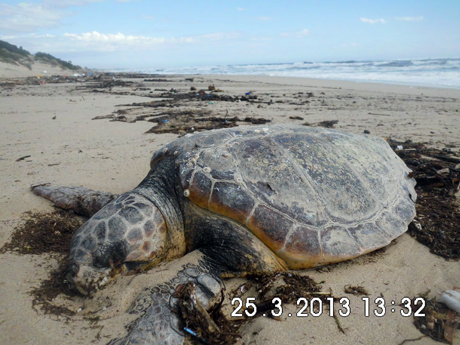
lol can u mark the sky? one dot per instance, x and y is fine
(140, 34)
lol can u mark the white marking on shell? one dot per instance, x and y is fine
(189, 165)
(194, 158)
(186, 193)
(256, 131)
(238, 178)
(226, 154)
(176, 153)
(207, 170)
(165, 150)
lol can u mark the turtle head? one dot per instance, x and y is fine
(127, 235)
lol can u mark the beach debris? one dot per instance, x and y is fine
(41, 232)
(189, 121)
(22, 158)
(216, 326)
(190, 79)
(296, 117)
(436, 320)
(101, 117)
(355, 290)
(326, 124)
(451, 298)
(438, 216)
(288, 286)
(157, 80)
(50, 233)
(367, 131)
(199, 323)
(123, 119)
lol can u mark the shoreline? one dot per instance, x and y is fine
(339, 83)
(366, 81)
(54, 125)
(8, 71)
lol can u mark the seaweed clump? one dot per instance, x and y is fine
(48, 233)
(437, 321)
(438, 180)
(42, 232)
(214, 327)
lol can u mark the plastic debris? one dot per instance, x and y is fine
(451, 299)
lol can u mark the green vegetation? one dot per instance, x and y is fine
(48, 58)
(10, 53)
(14, 49)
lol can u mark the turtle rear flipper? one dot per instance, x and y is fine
(161, 307)
(82, 201)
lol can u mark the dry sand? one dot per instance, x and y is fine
(37, 69)
(72, 149)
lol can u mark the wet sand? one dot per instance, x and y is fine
(113, 156)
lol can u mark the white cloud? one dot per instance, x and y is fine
(29, 17)
(148, 17)
(110, 42)
(372, 21)
(241, 9)
(115, 38)
(43, 36)
(410, 19)
(298, 34)
(72, 44)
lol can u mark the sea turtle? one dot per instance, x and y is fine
(250, 200)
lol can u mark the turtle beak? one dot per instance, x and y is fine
(87, 279)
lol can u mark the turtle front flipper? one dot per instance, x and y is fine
(159, 308)
(82, 201)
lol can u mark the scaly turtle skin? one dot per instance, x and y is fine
(250, 200)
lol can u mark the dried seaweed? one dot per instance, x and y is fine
(438, 214)
(287, 286)
(56, 284)
(325, 124)
(182, 122)
(202, 326)
(439, 322)
(42, 232)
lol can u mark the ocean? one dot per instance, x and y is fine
(418, 72)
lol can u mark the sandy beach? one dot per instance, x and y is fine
(52, 126)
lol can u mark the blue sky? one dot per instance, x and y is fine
(154, 34)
